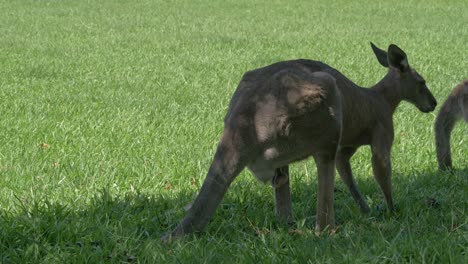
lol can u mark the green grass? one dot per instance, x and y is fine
(110, 112)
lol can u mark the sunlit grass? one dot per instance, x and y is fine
(110, 112)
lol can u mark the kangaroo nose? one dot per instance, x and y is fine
(432, 105)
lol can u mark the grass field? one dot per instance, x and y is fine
(110, 112)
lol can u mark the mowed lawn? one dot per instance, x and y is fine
(110, 113)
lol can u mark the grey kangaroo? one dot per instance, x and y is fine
(453, 109)
(290, 110)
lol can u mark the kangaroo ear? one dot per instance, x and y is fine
(381, 55)
(397, 58)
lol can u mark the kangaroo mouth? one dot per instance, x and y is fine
(427, 109)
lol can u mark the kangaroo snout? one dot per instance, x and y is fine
(433, 104)
(427, 109)
(429, 106)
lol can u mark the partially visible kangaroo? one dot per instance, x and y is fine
(290, 110)
(453, 109)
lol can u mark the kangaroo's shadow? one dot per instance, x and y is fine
(435, 189)
(432, 193)
(108, 226)
(435, 192)
(247, 207)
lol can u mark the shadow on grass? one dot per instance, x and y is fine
(434, 189)
(116, 228)
(107, 228)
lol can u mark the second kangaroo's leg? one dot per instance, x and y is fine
(227, 164)
(325, 196)
(282, 190)
(344, 169)
(382, 167)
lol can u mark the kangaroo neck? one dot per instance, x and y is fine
(389, 89)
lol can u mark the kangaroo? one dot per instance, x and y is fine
(453, 109)
(290, 110)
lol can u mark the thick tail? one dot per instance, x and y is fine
(443, 127)
(227, 164)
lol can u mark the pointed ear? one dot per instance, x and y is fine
(397, 58)
(381, 55)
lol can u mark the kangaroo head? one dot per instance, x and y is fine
(463, 100)
(411, 86)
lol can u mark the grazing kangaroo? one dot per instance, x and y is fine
(290, 110)
(453, 109)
